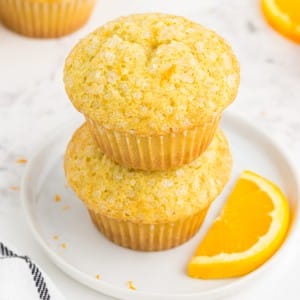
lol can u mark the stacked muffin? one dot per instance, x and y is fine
(150, 158)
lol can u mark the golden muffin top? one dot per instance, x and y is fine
(143, 196)
(151, 73)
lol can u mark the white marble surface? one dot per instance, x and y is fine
(33, 102)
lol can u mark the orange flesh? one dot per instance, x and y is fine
(290, 8)
(283, 16)
(243, 224)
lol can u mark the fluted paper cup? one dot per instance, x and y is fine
(155, 152)
(44, 18)
(149, 237)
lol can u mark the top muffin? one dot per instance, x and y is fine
(151, 73)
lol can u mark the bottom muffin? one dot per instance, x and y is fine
(146, 210)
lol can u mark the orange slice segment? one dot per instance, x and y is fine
(250, 228)
(284, 16)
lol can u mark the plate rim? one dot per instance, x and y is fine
(124, 293)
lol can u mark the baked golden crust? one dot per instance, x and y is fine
(151, 74)
(145, 197)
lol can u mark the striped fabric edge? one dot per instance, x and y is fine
(37, 276)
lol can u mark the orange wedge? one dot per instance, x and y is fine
(284, 16)
(250, 228)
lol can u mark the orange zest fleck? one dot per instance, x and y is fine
(57, 198)
(21, 161)
(66, 207)
(14, 188)
(263, 114)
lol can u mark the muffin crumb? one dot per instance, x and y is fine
(63, 245)
(98, 277)
(56, 237)
(131, 285)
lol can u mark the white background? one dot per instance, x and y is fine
(33, 102)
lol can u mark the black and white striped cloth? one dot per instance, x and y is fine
(20, 278)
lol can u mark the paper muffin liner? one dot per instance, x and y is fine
(45, 19)
(155, 152)
(149, 237)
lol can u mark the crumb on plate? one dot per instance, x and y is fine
(98, 276)
(56, 237)
(64, 245)
(131, 285)
(14, 188)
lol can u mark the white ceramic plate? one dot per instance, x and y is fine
(157, 276)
